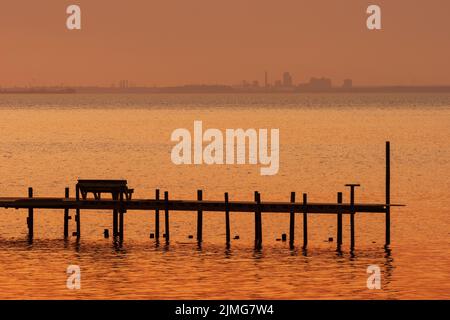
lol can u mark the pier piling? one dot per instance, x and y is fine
(30, 219)
(115, 217)
(258, 221)
(77, 214)
(227, 219)
(292, 222)
(199, 218)
(157, 216)
(388, 194)
(305, 220)
(352, 213)
(121, 216)
(339, 223)
(66, 216)
(166, 218)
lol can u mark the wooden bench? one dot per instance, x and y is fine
(115, 187)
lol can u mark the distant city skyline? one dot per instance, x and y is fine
(285, 79)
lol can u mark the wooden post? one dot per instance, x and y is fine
(166, 202)
(157, 216)
(292, 222)
(66, 216)
(30, 219)
(305, 220)
(258, 221)
(339, 222)
(388, 193)
(199, 218)
(121, 215)
(352, 213)
(115, 217)
(352, 221)
(77, 214)
(227, 219)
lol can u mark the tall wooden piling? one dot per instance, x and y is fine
(166, 218)
(339, 222)
(199, 218)
(30, 219)
(292, 222)
(388, 194)
(305, 220)
(77, 214)
(258, 221)
(66, 216)
(157, 216)
(227, 219)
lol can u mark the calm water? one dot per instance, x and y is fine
(48, 141)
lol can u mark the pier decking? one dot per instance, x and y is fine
(122, 202)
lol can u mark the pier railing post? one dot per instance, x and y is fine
(166, 218)
(305, 220)
(352, 213)
(339, 223)
(227, 219)
(388, 194)
(199, 218)
(292, 221)
(157, 216)
(66, 216)
(30, 219)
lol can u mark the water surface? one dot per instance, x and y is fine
(48, 141)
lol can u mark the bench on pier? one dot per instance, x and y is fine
(117, 188)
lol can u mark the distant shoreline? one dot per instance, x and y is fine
(219, 89)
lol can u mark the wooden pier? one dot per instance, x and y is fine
(121, 202)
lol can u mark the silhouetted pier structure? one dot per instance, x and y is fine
(121, 201)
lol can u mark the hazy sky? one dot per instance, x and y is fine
(168, 42)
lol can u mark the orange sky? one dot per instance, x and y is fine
(168, 42)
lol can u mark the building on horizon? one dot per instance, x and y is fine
(348, 84)
(317, 84)
(287, 79)
(123, 84)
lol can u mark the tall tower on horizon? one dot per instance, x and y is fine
(266, 83)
